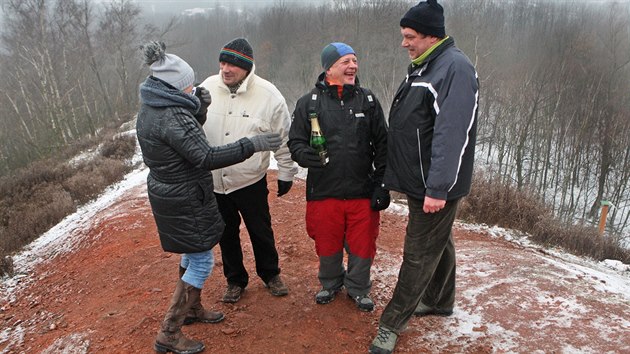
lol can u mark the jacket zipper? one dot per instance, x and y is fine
(420, 155)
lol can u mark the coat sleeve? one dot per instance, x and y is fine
(455, 115)
(300, 132)
(184, 135)
(281, 122)
(379, 141)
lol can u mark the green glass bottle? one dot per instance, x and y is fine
(318, 141)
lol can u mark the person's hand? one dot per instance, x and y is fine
(203, 95)
(205, 99)
(284, 187)
(380, 199)
(309, 158)
(432, 205)
(266, 142)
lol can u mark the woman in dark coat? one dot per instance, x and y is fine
(179, 184)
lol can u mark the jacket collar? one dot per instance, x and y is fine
(247, 82)
(448, 42)
(332, 90)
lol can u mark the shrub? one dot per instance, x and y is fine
(495, 203)
(37, 197)
(119, 147)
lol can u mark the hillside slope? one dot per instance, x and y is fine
(102, 284)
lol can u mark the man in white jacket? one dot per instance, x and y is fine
(243, 105)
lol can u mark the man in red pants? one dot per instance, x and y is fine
(343, 196)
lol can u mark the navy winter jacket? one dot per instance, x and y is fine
(433, 127)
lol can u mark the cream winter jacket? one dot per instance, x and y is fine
(257, 107)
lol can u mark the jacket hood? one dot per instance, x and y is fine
(157, 93)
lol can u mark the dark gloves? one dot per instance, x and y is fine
(284, 187)
(204, 97)
(266, 142)
(380, 199)
(309, 158)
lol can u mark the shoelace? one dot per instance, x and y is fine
(383, 335)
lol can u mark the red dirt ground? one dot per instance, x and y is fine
(111, 293)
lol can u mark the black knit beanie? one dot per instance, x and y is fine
(238, 52)
(427, 18)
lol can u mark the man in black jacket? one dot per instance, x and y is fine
(343, 196)
(431, 146)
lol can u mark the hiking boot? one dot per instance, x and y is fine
(277, 287)
(325, 296)
(424, 310)
(364, 303)
(233, 293)
(384, 342)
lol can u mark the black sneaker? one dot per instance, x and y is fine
(364, 303)
(325, 296)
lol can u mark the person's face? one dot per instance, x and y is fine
(343, 71)
(416, 43)
(188, 89)
(231, 74)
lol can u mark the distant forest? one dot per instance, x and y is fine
(555, 78)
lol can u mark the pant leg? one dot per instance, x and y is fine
(198, 267)
(254, 207)
(440, 292)
(331, 272)
(325, 223)
(361, 232)
(426, 239)
(231, 251)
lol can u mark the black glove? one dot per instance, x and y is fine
(284, 187)
(309, 158)
(380, 199)
(204, 97)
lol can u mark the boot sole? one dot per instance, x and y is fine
(191, 320)
(161, 348)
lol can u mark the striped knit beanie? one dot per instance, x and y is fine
(238, 52)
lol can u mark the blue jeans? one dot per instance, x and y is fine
(198, 267)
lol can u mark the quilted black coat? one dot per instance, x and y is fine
(179, 158)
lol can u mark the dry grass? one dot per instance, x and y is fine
(36, 198)
(494, 203)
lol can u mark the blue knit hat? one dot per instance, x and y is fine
(333, 52)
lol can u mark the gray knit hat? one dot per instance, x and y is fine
(168, 67)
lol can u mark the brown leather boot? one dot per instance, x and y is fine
(170, 337)
(197, 313)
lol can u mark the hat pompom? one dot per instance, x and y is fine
(153, 51)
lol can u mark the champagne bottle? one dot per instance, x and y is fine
(318, 142)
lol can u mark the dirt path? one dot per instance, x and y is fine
(109, 295)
